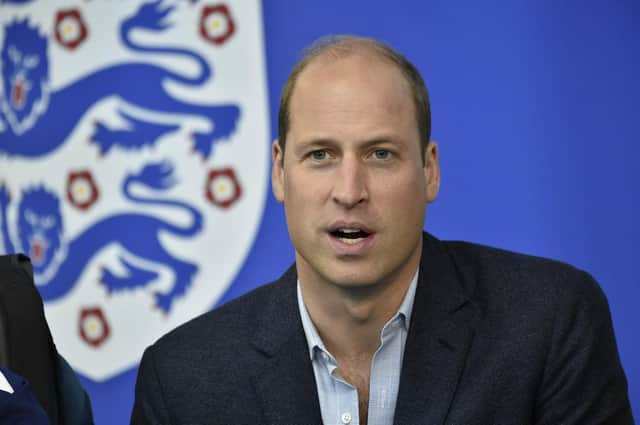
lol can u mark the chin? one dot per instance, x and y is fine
(355, 276)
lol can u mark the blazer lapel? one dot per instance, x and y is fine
(284, 381)
(440, 335)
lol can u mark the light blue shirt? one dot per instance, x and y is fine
(339, 399)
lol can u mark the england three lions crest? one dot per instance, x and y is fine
(133, 163)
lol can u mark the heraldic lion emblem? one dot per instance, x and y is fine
(58, 263)
(35, 121)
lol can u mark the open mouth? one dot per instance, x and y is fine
(350, 235)
(19, 90)
(17, 95)
(38, 250)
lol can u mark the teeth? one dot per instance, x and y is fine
(349, 230)
(350, 241)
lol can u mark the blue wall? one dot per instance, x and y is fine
(535, 108)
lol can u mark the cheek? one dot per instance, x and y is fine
(404, 202)
(298, 201)
(294, 193)
(406, 190)
(305, 189)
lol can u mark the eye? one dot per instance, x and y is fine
(31, 217)
(381, 154)
(31, 61)
(318, 155)
(14, 54)
(48, 222)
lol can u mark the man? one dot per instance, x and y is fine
(377, 322)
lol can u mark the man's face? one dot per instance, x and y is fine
(352, 180)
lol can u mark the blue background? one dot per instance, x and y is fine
(535, 108)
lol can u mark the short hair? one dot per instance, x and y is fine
(340, 46)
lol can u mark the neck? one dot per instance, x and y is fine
(349, 319)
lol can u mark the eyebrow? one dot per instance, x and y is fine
(332, 143)
(314, 143)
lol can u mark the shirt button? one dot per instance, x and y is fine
(346, 418)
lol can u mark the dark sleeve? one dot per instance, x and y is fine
(21, 406)
(149, 407)
(74, 402)
(583, 381)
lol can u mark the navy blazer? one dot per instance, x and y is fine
(495, 338)
(20, 406)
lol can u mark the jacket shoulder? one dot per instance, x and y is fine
(510, 284)
(494, 266)
(233, 322)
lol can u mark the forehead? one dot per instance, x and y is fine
(359, 88)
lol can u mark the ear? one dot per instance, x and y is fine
(431, 171)
(277, 171)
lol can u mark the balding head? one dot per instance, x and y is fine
(338, 47)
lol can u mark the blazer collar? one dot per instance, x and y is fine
(284, 381)
(439, 338)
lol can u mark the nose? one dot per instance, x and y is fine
(350, 186)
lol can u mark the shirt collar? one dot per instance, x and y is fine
(313, 338)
